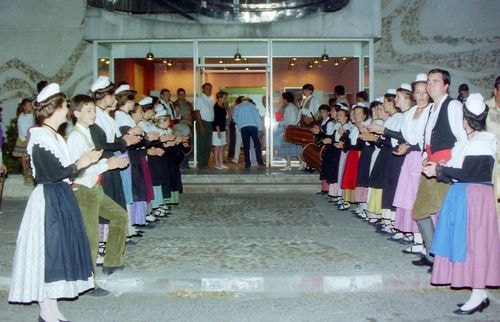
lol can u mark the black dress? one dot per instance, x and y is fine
(111, 180)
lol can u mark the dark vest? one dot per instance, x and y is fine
(441, 136)
(324, 127)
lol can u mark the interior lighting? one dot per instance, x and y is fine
(237, 56)
(324, 57)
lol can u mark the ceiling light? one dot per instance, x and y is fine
(292, 63)
(336, 62)
(170, 62)
(344, 58)
(316, 60)
(310, 65)
(324, 57)
(237, 56)
(221, 61)
(294, 58)
(150, 56)
(103, 60)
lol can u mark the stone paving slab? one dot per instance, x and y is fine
(250, 243)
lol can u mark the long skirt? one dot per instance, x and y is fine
(406, 192)
(330, 164)
(52, 258)
(466, 243)
(335, 189)
(393, 169)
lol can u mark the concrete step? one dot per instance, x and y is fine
(255, 180)
(249, 181)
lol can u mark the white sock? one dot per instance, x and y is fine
(476, 297)
(417, 238)
(47, 310)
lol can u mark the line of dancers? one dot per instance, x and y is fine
(117, 172)
(418, 165)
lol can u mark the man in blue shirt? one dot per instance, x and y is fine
(248, 120)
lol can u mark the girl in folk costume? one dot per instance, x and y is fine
(324, 136)
(466, 243)
(353, 146)
(106, 136)
(155, 153)
(412, 130)
(291, 116)
(52, 258)
(388, 164)
(369, 155)
(136, 178)
(170, 180)
(378, 169)
(339, 136)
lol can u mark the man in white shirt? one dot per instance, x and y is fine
(92, 200)
(204, 127)
(444, 137)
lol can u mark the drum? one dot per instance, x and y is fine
(312, 154)
(298, 135)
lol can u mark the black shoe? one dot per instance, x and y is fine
(430, 270)
(97, 292)
(321, 192)
(482, 306)
(423, 261)
(110, 270)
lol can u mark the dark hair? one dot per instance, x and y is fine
(146, 108)
(463, 87)
(324, 107)
(408, 95)
(164, 90)
(390, 97)
(41, 85)
(220, 94)
(102, 92)
(123, 97)
(137, 107)
(363, 95)
(476, 122)
(205, 84)
(21, 104)
(332, 101)
(374, 104)
(308, 87)
(288, 96)
(47, 107)
(366, 111)
(78, 101)
(346, 112)
(339, 90)
(180, 90)
(239, 99)
(444, 73)
(497, 83)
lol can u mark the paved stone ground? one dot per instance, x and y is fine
(254, 257)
